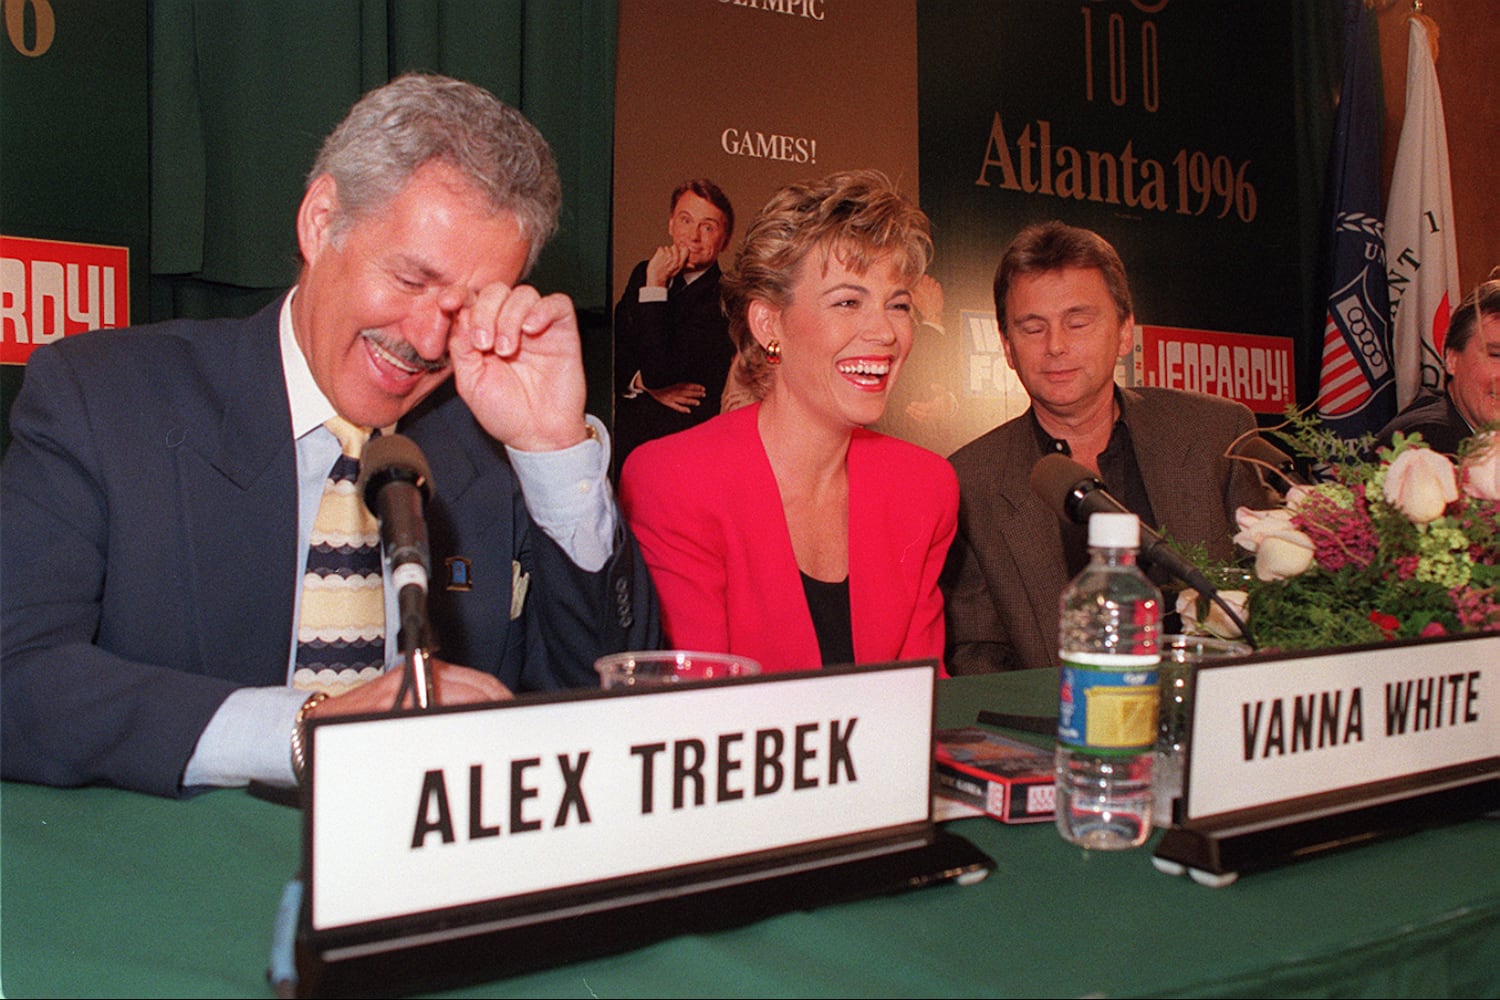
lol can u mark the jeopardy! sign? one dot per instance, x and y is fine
(464, 807)
(50, 289)
(1253, 370)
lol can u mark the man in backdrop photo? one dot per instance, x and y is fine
(672, 346)
(179, 595)
(1065, 314)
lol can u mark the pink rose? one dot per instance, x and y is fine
(1482, 469)
(1299, 495)
(1420, 483)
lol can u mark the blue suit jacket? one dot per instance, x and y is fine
(149, 543)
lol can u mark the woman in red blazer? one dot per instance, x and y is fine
(785, 531)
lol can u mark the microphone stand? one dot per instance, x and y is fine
(1087, 493)
(414, 647)
(416, 678)
(1200, 581)
(396, 485)
(1239, 622)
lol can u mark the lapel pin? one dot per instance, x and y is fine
(459, 573)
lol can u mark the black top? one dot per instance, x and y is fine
(829, 604)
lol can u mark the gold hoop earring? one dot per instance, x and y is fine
(773, 352)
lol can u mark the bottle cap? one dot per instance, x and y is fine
(1114, 531)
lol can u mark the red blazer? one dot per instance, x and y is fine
(707, 514)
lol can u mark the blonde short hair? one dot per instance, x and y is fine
(855, 217)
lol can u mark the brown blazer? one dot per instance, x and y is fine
(1006, 570)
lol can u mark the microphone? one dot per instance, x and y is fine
(1074, 493)
(396, 484)
(1283, 469)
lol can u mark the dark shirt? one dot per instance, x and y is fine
(1435, 417)
(829, 605)
(1121, 477)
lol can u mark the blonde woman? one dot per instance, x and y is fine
(784, 530)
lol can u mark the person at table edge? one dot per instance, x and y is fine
(783, 530)
(1065, 314)
(159, 490)
(1471, 398)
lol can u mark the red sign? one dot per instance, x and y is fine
(51, 289)
(1254, 370)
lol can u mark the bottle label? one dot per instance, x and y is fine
(1108, 710)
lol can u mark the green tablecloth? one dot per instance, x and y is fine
(109, 893)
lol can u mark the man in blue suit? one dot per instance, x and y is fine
(161, 485)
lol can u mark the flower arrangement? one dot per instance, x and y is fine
(1405, 545)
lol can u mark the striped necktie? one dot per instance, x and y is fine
(341, 632)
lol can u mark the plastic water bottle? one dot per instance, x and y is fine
(1108, 698)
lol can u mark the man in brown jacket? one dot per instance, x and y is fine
(1063, 304)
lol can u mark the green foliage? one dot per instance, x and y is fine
(1377, 575)
(1307, 436)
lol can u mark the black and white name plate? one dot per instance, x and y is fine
(1291, 755)
(437, 811)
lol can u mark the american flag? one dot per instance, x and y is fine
(1356, 387)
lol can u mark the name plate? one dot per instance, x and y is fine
(1268, 731)
(416, 813)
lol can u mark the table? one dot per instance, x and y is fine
(111, 893)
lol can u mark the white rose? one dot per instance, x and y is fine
(1420, 483)
(1218, 623)
(1257, 524)
(1283, 554)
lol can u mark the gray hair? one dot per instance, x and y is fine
(417, 118)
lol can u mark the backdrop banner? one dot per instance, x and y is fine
(750, 95)
(1169, 128)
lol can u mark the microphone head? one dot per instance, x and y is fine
(1062, 484)
(389, 458)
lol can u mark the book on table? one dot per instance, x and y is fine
(1008, 779)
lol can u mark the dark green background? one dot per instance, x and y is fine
(184, 129)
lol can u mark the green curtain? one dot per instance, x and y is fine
(243, 93)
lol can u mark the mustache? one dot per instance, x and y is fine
(404, 352)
